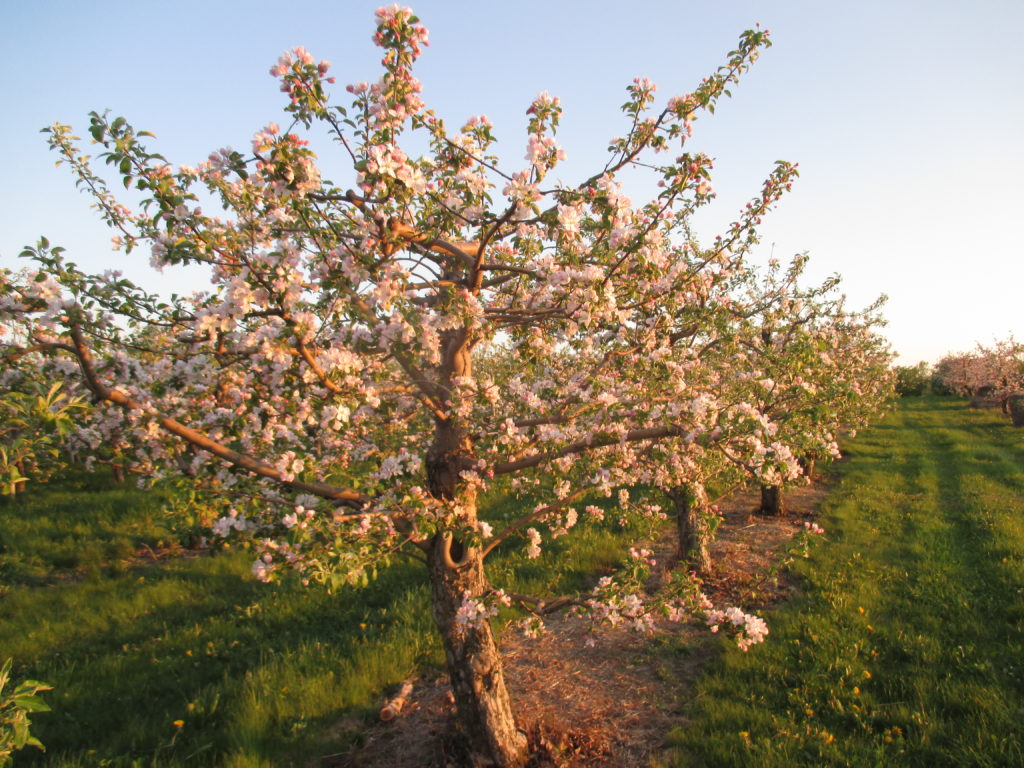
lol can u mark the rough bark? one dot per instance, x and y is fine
(486, 723)
(694, 541)
(771, 501)
(485, 720)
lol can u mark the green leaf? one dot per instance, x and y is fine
(32, 741)
(31, 704)
(21, 736)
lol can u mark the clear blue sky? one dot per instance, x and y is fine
(905, 117)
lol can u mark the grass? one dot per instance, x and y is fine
(49, 533)
(192, 663)
(906, 647)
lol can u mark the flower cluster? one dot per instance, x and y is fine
(232, 521)
(750, 630)
(473, 611)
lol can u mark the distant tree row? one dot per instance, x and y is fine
(992, 376)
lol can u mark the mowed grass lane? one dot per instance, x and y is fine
(906, 644)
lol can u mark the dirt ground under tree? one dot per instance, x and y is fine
(611, 705)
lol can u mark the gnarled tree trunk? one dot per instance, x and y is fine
(486, 723)
(694, 540)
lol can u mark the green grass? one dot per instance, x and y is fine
(48, 533)
(255, 675)
(906, 647)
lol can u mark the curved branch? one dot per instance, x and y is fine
(585, 444)
(13, 353)
(446, 553)
(467, 253)
(527, 519)
(318, 371)
(346, 496)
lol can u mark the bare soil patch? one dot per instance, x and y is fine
(611, 705)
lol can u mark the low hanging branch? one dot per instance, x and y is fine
(345, 496)
(541, 607)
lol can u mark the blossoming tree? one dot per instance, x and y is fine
(38, 415)
(366, 360)
(995, 372)
(813, 368)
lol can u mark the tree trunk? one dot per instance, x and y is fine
(694, 541)
(485, 720)
(1016, 403)
(484, 709)
(807, 465)
(771, 501)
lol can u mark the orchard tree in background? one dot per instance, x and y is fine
(38, 418)
(995, 373)
(812, 367)
(913, 380)
(366, 361)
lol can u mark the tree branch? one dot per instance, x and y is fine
(346, 496)
(584, 444)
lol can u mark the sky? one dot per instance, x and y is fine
(904, 115)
